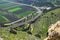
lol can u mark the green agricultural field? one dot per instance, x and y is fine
(24, 14)
(2, 13)
(3, 19)
(5, 5)
(14, 9)
(1, 1)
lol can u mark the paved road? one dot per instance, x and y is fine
(15, 24)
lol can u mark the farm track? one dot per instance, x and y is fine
(16, 24)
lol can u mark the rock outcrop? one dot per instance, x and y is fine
(1, 38)
(54, 32)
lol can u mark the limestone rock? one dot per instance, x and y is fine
(54, 32)
(1, 38)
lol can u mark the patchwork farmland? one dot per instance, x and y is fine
(10, 12)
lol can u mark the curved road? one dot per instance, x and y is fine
(15, 24)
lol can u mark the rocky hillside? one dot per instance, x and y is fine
(54, 32)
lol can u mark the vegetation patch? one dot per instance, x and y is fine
(14, 9)
(6, 35)
(3, 19)
(24, 14)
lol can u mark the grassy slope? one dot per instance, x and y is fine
(45, 21)
(6, 35)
